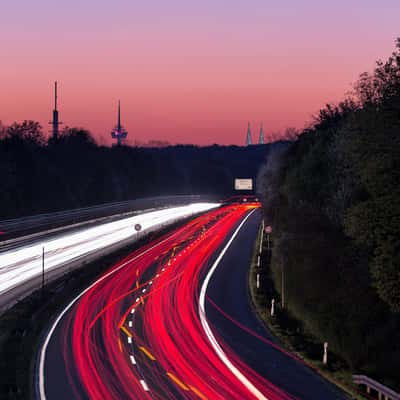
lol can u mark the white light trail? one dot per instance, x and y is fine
(43, 350)
(19, 265)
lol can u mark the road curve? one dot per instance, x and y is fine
(142, 330)
(229, 311)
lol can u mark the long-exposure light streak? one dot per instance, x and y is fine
(43, 350)
(138, 332)
(18, 266)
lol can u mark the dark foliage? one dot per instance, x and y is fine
(334, 201)
(72, 171)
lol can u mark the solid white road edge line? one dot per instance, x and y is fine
(202, 312)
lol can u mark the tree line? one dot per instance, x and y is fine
(42, 175)
(333, 198)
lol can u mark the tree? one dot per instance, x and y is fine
(27, 133)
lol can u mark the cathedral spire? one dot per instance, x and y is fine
(248, 137)
(261, 138)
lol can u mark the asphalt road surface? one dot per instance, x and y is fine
(228, 290)
(148, 330)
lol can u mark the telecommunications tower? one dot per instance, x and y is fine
(55, 123)
(119, 132)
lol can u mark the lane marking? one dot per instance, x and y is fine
(144, 384)
(133, 361)
(147, 352)
(211, 338)
(197, 391)
(127, 333)
(42, 392)
(178, 381)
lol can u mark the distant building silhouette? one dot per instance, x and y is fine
(248, 136)
(119, 132)
(261, 138)
(55, 123)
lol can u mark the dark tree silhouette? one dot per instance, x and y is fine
(334, 201)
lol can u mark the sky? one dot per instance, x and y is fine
(187, 71)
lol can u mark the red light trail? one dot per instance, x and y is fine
(137, 333)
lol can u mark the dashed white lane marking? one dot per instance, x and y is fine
(144, 384)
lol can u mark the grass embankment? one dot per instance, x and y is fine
(22, 326)
(290, 331)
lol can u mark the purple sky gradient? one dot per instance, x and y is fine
(187, 71)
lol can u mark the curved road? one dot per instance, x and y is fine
(173, 320)
(232, 316)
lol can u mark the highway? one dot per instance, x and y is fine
(173, 321)
(21, 265)
(230, 313)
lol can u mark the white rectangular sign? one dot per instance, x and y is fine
(243, 184)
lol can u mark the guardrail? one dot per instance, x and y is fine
(13, 227)
(383, 391)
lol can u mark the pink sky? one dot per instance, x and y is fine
(186, 71)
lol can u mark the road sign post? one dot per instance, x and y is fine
(138, 227)
(244, 184)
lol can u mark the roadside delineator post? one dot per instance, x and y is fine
(268, 231)
(272, 307)
(325, 356)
